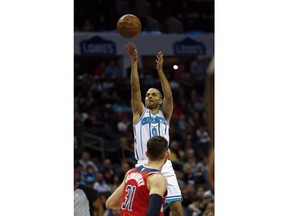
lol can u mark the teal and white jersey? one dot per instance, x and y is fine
(148, 125)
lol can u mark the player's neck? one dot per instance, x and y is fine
(155, 164)
(154, 110)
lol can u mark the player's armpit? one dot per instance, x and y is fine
(137, 112)
(168, 107)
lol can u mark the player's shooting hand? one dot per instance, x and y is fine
(159, 61)
(132, 51)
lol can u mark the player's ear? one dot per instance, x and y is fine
(160, 101)
(167, 154)
(147, 154)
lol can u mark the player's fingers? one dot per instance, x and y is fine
(160, 53)
(158, 57)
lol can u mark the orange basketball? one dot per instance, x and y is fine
(129, 26)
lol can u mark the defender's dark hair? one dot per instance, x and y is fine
(157, 147)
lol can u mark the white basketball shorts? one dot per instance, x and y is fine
(173, 190)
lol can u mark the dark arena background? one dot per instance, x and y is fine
(103, 133)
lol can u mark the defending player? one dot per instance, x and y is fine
(143, 190)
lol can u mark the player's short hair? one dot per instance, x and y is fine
(158, 91)
(157, 146)
(160, 94)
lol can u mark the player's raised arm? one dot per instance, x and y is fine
(168, 98)
(136, 100)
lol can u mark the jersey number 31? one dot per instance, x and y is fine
(127, 204)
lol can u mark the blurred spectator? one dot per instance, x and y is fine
(83, 173)
(200, 191)
(120, 107)
(191, 189)
(187, 173)
(207, 201)
(91, 121)
(188, 193)
(122, 171)
(175, 152)
(87, 101)
(127, 148)
(199, 175)
(182, 122)
(202, 135)
(85, 161)
(108, 171)
(90, 181)
(203, 141)
(186, 106)
(100, 185)
(194, 207)
(89, 174)
(123, 123)
(116, 182)
(112, 71)
(209, 211)
(124, 143)
(189, 157)
(199, 104)
(109, 120)
(77, 178)
(88, 26)
(99, 72)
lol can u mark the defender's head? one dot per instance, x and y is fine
(157, 148)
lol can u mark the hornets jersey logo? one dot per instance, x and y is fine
(149, 125)
(154, 124)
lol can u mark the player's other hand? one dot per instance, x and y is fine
(132, 51)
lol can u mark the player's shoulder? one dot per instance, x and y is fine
(130, 171)
(158, 179)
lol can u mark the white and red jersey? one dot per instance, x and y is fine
(147, 126)
(135, 198)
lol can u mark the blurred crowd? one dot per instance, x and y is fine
(102, 109)
(166, 16)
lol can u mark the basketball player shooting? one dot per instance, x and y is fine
(149, 121)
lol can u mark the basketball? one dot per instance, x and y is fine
(129, 26)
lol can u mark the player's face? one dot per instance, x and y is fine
(152, 99)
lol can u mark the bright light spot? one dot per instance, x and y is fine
(175, 67)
